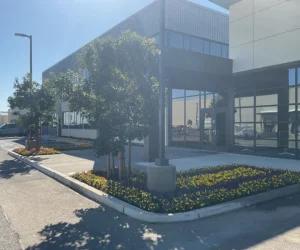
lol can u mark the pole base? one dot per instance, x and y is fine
(161, 162)
(161, 179)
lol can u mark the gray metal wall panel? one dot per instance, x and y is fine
(144, 22)
(181, 16)
(192, 19)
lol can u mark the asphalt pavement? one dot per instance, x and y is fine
(40, 213)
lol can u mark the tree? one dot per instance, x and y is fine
(189, 122)
(36, 99)
(120, 93)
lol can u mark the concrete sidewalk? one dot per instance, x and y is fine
(84, 160)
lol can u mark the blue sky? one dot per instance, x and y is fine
(58, 27)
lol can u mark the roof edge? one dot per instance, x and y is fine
(225, 3)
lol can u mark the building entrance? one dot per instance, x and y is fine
(213, 128)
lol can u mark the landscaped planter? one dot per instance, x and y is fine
(32, 152)
(140, 214)
(196, 188)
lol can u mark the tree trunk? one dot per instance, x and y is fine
(108, 166)
(129, 159)
(121, 165)
(37, 137)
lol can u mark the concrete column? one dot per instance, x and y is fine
(151, 141)
(283, 115)
(230, 137)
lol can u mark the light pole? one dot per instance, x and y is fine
(30, 38)
(162, 161)
(161, 177)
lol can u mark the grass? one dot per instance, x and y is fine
(195, 188)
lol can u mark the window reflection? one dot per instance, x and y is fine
(175, 39)
(215, 49)
(74, 120)
(197, 44)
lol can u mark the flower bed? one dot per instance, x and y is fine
(42, 151)
(196, 188)
(73, 147)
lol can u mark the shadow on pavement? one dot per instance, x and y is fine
(100, 228)
(9, 168)
(95, 232)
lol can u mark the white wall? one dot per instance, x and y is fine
(264, 33)
(11, 117)
(80, 133)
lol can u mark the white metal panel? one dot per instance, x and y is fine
(189, 18)
(279, 49)
(241, 9)
(242, 57)
(241, 31)
(261, 5)
(279, 19)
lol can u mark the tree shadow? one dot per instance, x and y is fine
(9, 168)
(94, 231)
(103, 228)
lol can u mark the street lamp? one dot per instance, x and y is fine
(30, 38)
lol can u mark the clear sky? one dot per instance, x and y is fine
(58, 27)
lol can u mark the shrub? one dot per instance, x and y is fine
(196, 188)
(42, 151)
(73, 147)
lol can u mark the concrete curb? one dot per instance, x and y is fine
(146, 216)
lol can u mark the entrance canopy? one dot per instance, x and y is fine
(196, 71)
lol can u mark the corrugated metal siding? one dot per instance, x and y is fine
(145, 22)
(181, 16)
(192, 19)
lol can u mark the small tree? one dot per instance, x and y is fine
(120, 93)
(189, 122)
(36, 99)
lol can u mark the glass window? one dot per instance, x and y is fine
(192, 121)
(292, 77)
(197, 44)
(178, 124)
(176, 93)
(215, 49)
(206, 47)
(244, 101)
(244, 115)
(244, 135)
(225, 51)
(175, 39)
(187, 42)
(267, 100)
(192, 93)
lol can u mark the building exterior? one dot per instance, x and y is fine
(242, 99)
(3, 117)
(197, 45)
(12, 117)
(264, 38)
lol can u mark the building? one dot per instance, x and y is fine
(199, 36)
(264, 38)
(3, 117)
(243, 98)
(12, 117)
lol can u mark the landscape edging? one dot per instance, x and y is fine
(151, 217)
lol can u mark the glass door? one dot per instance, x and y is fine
(207, 127)
(213, 129)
